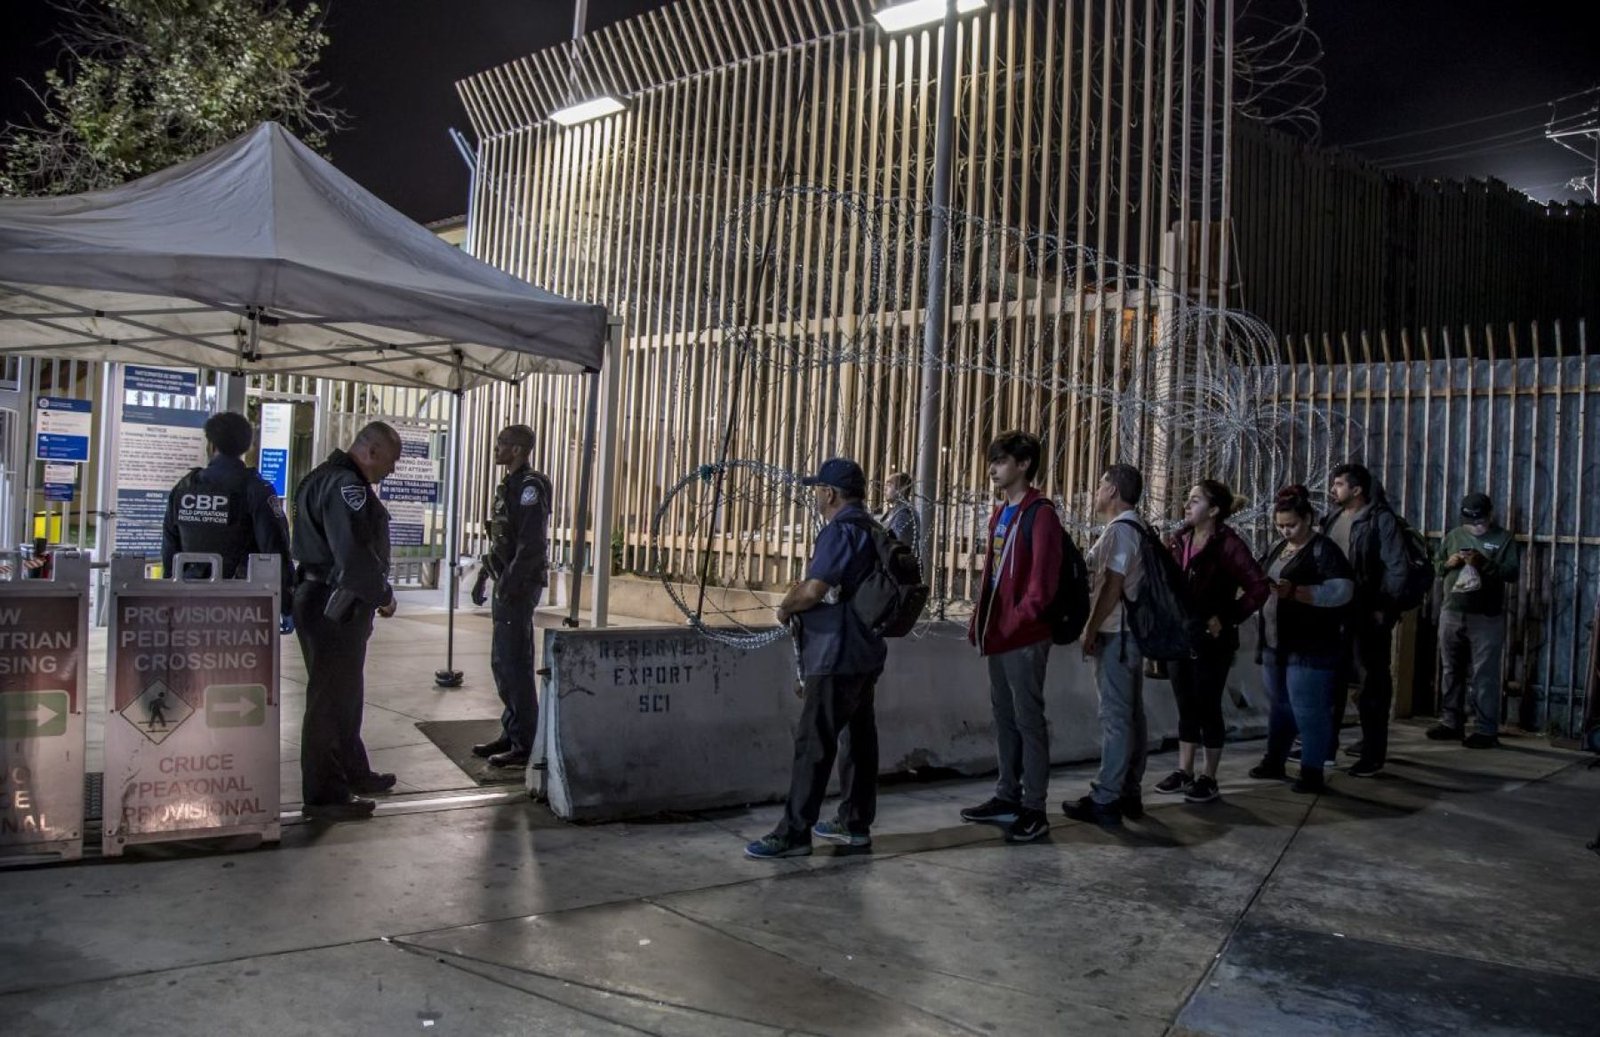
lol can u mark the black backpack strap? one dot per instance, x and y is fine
(870, 526)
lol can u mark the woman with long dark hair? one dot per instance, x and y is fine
(1302, 639)
(1227, 585)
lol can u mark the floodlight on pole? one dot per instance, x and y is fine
(594, 107)
(584, 111)
(913, 14)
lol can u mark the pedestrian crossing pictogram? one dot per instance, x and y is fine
(157, 712)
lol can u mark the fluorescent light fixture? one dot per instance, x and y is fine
(913, 14)
(586, 110)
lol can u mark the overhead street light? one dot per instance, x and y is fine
(913, 14)
(583, 111)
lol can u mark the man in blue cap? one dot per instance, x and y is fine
(840, 661)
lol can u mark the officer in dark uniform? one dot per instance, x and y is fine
(518, 531)
(341, 542)
(228, 509)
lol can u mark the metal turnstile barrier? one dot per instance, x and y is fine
(191, 738)
(44, 627)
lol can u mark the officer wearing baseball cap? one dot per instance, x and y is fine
(1477, 560)
(840, 661)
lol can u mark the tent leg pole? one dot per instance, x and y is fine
(580, 531)
(605, 458)
(450, 677)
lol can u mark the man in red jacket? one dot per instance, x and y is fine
(1011, 628)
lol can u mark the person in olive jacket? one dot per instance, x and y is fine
(1228, 586)
(1303, 632)
(1478, 561)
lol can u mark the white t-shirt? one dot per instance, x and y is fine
(1117, 551)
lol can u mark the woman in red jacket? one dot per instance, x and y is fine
(1228, 586)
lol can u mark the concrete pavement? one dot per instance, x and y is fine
(1452, 894)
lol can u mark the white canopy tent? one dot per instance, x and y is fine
(262, 257)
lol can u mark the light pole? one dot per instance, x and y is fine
(911, 15)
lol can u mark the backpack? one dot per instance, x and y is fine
(1068, 611)
(1419, 567)
(890, 600)
(1163, 617)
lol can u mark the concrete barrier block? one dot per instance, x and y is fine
(646, 719)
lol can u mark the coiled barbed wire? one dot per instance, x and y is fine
(1201, 395)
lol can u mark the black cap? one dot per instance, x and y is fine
(1475, 507)
(842, 474)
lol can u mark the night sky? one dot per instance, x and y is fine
(1392, 67)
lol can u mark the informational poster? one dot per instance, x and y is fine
(173, 381)
(42, 674)
(62, 429)
(60, 481)
(277, 430)
(157, 445)
(413, 488)
(192, 732)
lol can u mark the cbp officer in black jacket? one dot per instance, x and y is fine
(229, 510)
(518, 550)
(341, 542)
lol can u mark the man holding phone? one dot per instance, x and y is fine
(341, 542)
(1478, 561)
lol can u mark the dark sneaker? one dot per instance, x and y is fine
(994, 812)
(775, 845)
(1132, 807)
(484, 750)
(1174, 783)
(1479, 740)
(1443, 733)
(1203, 790)
(1029, 825)
(373, 784)
(1354, 749)
(1294, 754)
(1310, 783)
(836, 832)
(1086, 809)
(1363, 769)
(351, 808)
(1266, 771)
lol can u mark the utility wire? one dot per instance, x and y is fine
(1509, 145)
(1523, 132)
(1471, 122)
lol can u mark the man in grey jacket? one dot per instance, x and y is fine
(1368, 532)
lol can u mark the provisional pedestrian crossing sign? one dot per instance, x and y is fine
(34, 714)
(236, 705)
(157, 712)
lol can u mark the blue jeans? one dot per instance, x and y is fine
(1124, 735)
(1302, 688)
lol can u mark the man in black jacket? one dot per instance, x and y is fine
(227, 509)
(341, 540)
(1369, 533)
(518, 549)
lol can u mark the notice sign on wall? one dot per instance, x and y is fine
(273, 445)
(41, 720)
(60, 481)
(413, 488)
(156, 446)
(173, 381)
(62, 429)
(192, 735)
